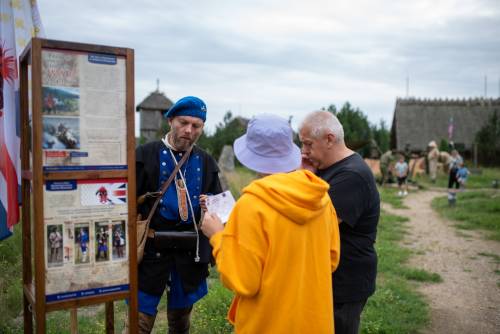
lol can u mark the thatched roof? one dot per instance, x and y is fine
(156, 101)
(418, 121)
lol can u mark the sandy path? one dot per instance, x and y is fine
(468, 299)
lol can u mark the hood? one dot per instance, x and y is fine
(301, 196)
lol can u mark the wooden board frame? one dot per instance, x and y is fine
(33, 178)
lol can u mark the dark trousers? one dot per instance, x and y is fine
(347, 317)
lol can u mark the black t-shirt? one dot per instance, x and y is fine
(356, 200)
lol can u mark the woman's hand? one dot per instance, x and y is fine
(211, 224)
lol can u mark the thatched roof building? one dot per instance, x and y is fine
(152, 109)
(418, 121)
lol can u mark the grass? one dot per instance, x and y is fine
(390, 195)
(240, 178)
(474, 210)
(475, 181)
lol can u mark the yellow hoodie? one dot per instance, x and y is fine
(277, 253)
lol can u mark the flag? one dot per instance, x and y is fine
(19, 21)
(450, 129)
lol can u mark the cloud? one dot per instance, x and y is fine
(291, 57)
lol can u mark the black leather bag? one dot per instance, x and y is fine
(183, 240)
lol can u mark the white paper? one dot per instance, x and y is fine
(221, 204)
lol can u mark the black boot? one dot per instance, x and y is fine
(179, 320)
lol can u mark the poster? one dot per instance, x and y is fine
(83, 111)
(86, 238)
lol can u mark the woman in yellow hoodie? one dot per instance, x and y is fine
(281, 243)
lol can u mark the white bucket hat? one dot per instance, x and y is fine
(268, 146)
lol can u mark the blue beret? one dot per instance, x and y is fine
(188, 106)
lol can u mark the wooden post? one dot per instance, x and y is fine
(73, 314)
(110, 318)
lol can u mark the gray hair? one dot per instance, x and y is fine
(323, 122)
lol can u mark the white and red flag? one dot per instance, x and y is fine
(19, 21)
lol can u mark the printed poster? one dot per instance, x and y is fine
(86, 238)
(83, 111)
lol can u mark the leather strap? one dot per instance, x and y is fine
(167, 183)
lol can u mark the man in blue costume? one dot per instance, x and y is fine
(182, 269)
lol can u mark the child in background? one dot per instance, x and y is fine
(401, 169)
(462, 174)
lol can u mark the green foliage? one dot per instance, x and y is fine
(225, 133)
(488, 140)
(444, 145)
(381, 135)
(474, 210)
(11, 292)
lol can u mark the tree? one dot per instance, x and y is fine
(488, 140)
(381, 135)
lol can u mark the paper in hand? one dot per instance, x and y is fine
(221, 204)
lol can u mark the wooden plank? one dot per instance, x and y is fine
(132, 232)
(110, 318)
(28, 299)
(85, 175)
(79, 47)
(76, 303)
(39, 230)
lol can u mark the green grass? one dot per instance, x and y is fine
(390, 196)
(239, 179)
(474, 210)
(475, 181)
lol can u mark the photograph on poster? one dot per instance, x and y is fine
(82, 255)
(119, 239)
(61, 133)
(55, 245)
(59, 68)
(101, 241)
(103, 194)
(63, 101)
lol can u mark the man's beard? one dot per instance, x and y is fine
(180, 144)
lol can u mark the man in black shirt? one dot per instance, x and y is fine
(356, 200)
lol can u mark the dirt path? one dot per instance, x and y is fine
(468, 299)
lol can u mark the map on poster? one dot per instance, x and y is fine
(86, 238)
(83, 111)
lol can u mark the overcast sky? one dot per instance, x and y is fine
(290, 57)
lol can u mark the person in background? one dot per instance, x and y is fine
(462, 174)
(455, 161)
(401, 168)
(386, 161)
(281, 242)
(432, 158)
(357, 202)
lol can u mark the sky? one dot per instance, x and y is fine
(291, 57)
